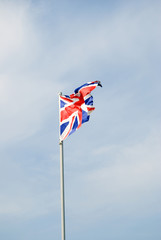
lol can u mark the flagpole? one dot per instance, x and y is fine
(62, 182)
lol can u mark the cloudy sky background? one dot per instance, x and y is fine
(112, 164)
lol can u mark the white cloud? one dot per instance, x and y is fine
(27, 191)
(121, 38)
(13, 29)
(126, 182)
(25, 94)
(24, 105)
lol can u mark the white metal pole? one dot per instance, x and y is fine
(62, 182)
(62, 190)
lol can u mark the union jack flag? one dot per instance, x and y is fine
(76, 108)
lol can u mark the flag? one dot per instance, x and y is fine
(76, 108)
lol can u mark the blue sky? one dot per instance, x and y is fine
(112, 164)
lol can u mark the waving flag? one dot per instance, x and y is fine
(76, 108)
